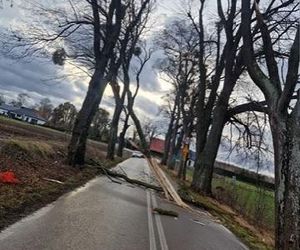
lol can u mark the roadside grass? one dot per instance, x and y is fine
(34, 162)
(22, 124)
(28, 147)
(255, 203)
(245, 209)
(252, 237)
(36, 154)
(17, 201)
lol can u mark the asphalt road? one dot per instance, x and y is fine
(107, 215)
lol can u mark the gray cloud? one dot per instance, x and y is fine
(149, 107)
(17, 76)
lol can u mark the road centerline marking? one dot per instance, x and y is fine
(152, 240)
(160, 229)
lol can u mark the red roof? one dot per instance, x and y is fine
(157, 145)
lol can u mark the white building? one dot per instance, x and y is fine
(5, 109)
(22, 113)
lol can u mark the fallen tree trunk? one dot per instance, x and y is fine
(166, 212)
(111, 173)
(165, 183)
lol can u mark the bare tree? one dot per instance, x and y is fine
(284, 122)
(93, 33)
(128, 49)
(225, 67)
(179, 43)
(227, 58)
(45, 108)
(169, 111)
(122, 134)
(63, 117)
(142, 55)
(102, 54)
(100, 125)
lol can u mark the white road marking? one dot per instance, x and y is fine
(152, 239)
(161, 233)
(150, 223)
(160, 229)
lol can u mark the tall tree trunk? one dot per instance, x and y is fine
(204, 163)
(205, 159)
(139, 129)
(168, 138)
(175, 148)
(113, 133)
(286, 140)
(292, 203)
(173, 143)
(143, 143)
(183, 162)
(122, 137)
(77, 146)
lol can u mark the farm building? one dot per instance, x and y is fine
(6, 109)
(157, 146)
(22, 113)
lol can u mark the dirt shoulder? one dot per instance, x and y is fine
(35, 155)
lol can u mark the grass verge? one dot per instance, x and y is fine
(36, 154)
(251, 236)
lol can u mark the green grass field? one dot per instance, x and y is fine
(254, 203)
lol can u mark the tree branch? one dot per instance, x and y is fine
(292, 75)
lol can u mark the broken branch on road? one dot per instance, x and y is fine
(115, 174)
(165, 212)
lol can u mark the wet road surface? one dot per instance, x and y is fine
(107, 215)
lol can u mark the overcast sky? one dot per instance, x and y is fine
(38, 77)
(41, 78)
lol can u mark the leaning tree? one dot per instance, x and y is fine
(142, 55)
(104, 43)
(127, 48)
(86, 33)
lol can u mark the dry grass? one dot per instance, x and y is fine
(34, 153)
(31, 148)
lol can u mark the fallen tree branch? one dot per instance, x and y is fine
(52, 180)
(106, 171)
(108, 176)
(165, 212)
(165, 183)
